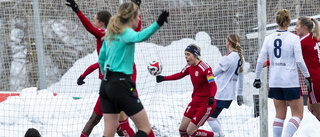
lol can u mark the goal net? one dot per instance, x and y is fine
(64, 107)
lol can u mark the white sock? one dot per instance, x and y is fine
(277, 127)
(292, 127)
(214, 124)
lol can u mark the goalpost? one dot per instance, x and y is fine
(63, 108)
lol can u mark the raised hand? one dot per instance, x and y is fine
(163, 18)
(73, 5)
(138, 2)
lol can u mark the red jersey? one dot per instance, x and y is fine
(202, 80)
(99, 33)
(311, 54)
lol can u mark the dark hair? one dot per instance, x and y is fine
(31, 132)
(104, 16)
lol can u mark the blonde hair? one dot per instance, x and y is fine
(116, 23)
(234, 39)
(283, 18)
(308, 22)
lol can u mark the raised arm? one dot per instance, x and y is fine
(130, 36)
(86, 23)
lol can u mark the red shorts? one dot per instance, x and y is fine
(199, 113)
(314, 96)
(97, 108)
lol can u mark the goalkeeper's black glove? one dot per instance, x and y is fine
(80, 81)
(160, 78)
(257, 83)
(163, 18)
(308, 83)
(73, 5)
(138, 2)
(240, 100)
(211, 101)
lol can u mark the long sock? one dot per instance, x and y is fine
(202, 133)
(151, 134)
(277, 127)
(183, 133)
(214, 124)
(126, 129)
(83, 134)
(292, 127)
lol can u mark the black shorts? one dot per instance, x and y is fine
(118, 94)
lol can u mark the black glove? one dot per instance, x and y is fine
(257, 83)
(240, 100)
(160, 78)
(80, 81)
(138, 2)
(308, 83)
(211, 101)
(163, 18)
(73, 5)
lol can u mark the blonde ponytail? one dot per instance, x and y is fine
(235, 43)
(116, 23)
(316, 30)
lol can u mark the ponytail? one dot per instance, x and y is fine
(235, 43)
(312, 26)
(316, 30)
(116, 23)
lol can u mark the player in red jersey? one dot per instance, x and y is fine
(98, 28)
(204, 89)
(308, 30)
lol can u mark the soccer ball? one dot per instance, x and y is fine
(154, 68)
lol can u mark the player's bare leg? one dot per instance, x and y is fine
(110, 124)
(93, 121)
(141, 121)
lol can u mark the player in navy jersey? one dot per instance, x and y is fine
(227, 74)
(284, 51)
(204, 89)
(98, 29)
(308, 30)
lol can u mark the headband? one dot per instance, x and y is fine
(193, 49)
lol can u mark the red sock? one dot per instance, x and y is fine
(202, 133)
(151, 134)
(126, 129)
(83, 135)
(183, 133)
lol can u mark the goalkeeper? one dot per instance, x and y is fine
(227, 74)
(204, 89)
(98, 28)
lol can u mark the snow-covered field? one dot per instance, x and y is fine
(63, 116)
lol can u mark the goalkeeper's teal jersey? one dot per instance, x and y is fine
(119, 52)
